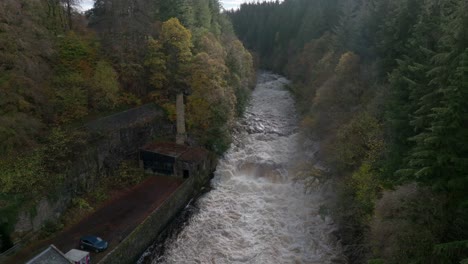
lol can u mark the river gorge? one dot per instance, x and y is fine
(259, 208)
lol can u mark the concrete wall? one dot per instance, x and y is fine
(131, 248)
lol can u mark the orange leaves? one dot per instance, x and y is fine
(198, 113)
(348, 65)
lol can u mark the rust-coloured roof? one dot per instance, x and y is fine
(166, 148)
(180, 152)
(194, 154)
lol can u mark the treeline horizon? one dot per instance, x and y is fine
(383, 86)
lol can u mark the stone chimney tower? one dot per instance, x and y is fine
(181, 136)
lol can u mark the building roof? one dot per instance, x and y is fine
(194, 154)
(180, 152)
(166, 149)
(76, 255)
(51, 255)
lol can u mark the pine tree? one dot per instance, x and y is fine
(440, 158)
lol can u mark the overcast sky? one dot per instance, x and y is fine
(227, 4)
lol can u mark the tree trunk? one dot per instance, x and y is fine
(180, 110)
(69, 13)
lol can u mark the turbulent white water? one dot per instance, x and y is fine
(256, 212)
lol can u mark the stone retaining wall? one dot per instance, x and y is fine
(111, 140)
(131, 248)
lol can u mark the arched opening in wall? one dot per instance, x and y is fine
(186, 174)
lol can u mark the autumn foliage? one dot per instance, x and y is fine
(60, 68)
(382, 86)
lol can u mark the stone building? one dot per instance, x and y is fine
(176, 160)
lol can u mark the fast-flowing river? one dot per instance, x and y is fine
(258, 211)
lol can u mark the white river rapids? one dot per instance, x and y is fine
(258, 211)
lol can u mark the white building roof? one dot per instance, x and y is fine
(76, 255)
(51, 255)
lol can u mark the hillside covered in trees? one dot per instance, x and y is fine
(383, 86)
(60, 68)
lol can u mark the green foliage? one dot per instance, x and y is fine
(99, 194)
(74, 53)
(407, 224)
(382, 84)
(22, 174)
(105, 87)
(81, 203)
(367, 187)
(180, 9)
(52, 77)
(169, 58)
(71, 82)
(50, 228)
(71, 100)
(376, 261)
(241, 72)
(129, 174)
(452, 248)
(217, 78)
(212, 106)
(32, 173)
(60, 148)
(359, 140)
(26, 49)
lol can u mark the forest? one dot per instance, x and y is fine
(60, 68)
(383, 85)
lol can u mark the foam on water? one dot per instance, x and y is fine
(255, 212)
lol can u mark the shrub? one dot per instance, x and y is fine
(129, 174)
(82, 204)
(50, 228)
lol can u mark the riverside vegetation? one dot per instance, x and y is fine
(60, 67)
(383, 85)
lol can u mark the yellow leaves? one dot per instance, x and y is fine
(348, 64)
(170, 109)
(18, 174)
(239, 60)
(168, 58)
(210, 93)
(198, 113)
(175, 36)
(158, 79)
(129, 99)
(359, 140)
(367, 187)
(156, 62)
(105, 86)
(208, 76)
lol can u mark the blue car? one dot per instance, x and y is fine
(93, 243)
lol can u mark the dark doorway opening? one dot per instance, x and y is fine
(186, 174)
(5, 241)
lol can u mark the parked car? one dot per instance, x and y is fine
(93, 243)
